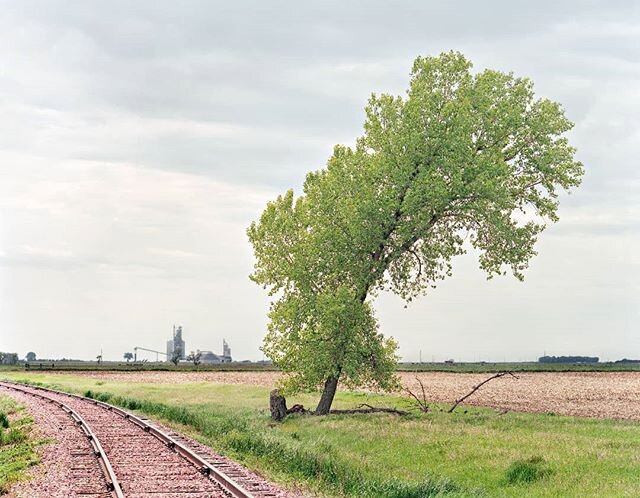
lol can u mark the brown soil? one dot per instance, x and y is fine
(585, 394)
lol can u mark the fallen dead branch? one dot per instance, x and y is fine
(496, 376)
(365, 408)
(297, 409)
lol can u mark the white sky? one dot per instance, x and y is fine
(139, 139)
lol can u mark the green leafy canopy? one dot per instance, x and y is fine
(463, 160)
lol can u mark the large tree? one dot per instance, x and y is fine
(462, 161)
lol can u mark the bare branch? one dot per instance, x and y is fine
(421, 404)
(496, 376)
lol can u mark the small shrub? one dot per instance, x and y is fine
(132, 404)
(104, 397)
(527, 471)
(4, 420)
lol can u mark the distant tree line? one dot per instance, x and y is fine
(8, 358)
(627, 361)
(568, 359)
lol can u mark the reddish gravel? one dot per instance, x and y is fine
(145, 467)
(251, 481)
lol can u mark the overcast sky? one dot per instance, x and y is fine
(139, 139)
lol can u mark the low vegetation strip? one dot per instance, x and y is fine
(528, 366)
(17, 446)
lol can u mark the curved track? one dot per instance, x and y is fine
(137, 459)
(91, 470)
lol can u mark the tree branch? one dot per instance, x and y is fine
(496, 376)
(422, 404)
(419, 263)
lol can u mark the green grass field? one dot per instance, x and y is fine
(17, 447)
(473, 452)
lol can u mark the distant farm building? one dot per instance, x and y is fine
(211, 357)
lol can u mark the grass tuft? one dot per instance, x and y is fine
(527, 471)
(11, 436)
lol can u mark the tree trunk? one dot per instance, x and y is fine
(278, 405)
(330, 386)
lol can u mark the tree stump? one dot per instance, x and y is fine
(278, 405)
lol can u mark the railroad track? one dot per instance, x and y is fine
(134, 458)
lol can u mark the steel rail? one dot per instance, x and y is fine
(113, 486)
(205, 468)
